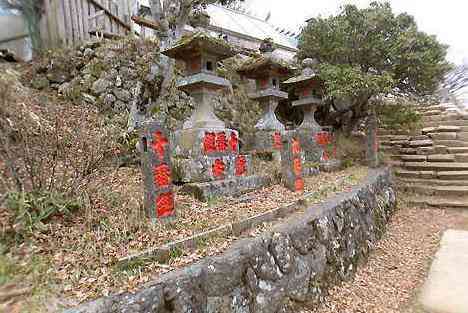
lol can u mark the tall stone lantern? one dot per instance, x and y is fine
(268, 71)
(309, 88)
(205, 153)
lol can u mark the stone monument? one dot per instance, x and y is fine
(291, 162)
(156, 165)
(267, 71)
(309, 88)
(206, 153)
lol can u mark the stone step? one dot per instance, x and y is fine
(457, 150)
(437, 190)
(463, 136)
(443, 136)
(402, 173)
(436, 166)
(440, 202)
(432, 182)
(413, 158)
(457, 122)
(461, 157)
(421, 143)
(451, 143)
(441, 129)
(452, 175)
(431, 112)
(440, 117)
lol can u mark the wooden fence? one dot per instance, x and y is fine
(67, 23)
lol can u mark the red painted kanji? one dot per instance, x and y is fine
(162, 175)
(165, 204)
(296, 146)
(209, 143)
(159, 144)
(277, 143)
(323, 138)
(299, 184)
(264, 83)
(306, 92)
(241, 165)
(233, 142)
(221, 142)
(218, 168)
(297, 166)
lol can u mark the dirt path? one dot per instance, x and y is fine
(396, 270)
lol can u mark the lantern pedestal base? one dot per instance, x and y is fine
(228, 187)
(208, 169)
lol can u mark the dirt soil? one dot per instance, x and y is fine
(396, 270)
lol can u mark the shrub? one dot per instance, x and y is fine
(400, 114)
(31, 210)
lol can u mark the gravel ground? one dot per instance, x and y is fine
(396, 270)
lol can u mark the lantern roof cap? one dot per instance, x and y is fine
(199, 42)
(309, 73)
(257, 66)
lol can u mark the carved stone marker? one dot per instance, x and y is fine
(291, 163)
(157, 171)
(268, 71)
(372, 141)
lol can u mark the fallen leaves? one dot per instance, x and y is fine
(83, 250)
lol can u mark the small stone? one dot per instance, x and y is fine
(122, 95)
(57, 77)
(119, 106)
(89, 53)
(88, 98)
(40, 82)
(109, 100)
(100, 86)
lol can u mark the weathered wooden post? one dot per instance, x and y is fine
(157, 171)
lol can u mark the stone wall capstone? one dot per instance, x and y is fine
(297, 261)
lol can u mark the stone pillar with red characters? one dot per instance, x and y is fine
(157, 171)
(292, 159)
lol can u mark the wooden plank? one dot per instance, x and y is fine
(108, 22)
(107, 35)
(146, 23)
(79, 15)
(74, 22)
(52, 20)
(62, 34)
(112, 16)
(92, 21)
(44, 32)
(85, 19)
(68, 22)
(96, 15)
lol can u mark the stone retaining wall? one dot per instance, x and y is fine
(296, 261)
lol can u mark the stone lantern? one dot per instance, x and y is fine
(268, 71)
(205, 153)
(309, 88)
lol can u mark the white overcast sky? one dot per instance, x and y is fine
(447, 19)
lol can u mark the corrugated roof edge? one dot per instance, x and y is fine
(291, 39)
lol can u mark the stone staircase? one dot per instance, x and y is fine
(432, 163)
